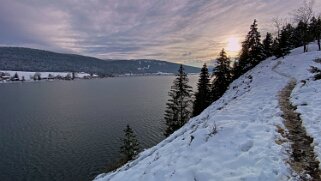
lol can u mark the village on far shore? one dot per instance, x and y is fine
(14, 76)
(7, 76)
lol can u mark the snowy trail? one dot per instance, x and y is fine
(302, 158)
(248, 144)
(274, 69)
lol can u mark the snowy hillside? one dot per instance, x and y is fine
(248, 144)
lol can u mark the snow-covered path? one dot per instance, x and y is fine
(246, 146)
(302, 156)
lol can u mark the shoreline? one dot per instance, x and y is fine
(27, 77)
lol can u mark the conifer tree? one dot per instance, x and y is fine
(243, 61)
(130, 145)
(276, 46)
(303, 16)
(294, 36)
(303, 29)
(222, 76)
(267, 45)
(252, 49)
(16, 77)
(235, 70)
(284, 45)
(256, 52)
(315, 28)
(178, 107)
(202, 96)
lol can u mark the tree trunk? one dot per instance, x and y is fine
(319, 44)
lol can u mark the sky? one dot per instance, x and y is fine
(182, 31)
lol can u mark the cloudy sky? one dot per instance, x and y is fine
(183, 31)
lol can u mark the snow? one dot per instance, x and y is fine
(245, 146)
(29, 75)
(143, 68)
(307, 95)
(309, 106)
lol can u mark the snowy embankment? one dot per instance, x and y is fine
(308, 100)
(307, 94)
(247, 144)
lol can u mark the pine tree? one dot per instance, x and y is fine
(235, 70)
(294, 39)
(315, 28)
(276, 46)
(130, 145)
(318, 32)
(202, 96)
(16, 77)
(267, 45)
(303, 16)
(284, 43)
(256, 52)
(243, 63)
(179, 105)
(303, 29)
(252, 49)
(222, 76)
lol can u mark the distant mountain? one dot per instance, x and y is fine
(26, 59)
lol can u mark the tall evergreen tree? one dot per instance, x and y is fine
(256, 52)
(202, 96)
(276, 46)
(178, 109)
(284, 46)
(235, 70)
(303, 17)
(222, 76)
(242, 64)
(267, 45)
(130, 145)
(294, 36)
(315, 27)
(305, 34)
(15, 77)
(252, 49)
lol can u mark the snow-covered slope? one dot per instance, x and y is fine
(247, 144)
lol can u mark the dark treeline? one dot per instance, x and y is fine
(33, 60)
(307, 28)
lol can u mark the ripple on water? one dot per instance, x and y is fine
(71, 130)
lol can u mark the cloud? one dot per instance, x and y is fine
(174, 30)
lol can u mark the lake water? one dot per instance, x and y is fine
(71, 130)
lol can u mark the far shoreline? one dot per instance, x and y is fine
(27, 77)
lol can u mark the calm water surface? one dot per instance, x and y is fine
(71, 130)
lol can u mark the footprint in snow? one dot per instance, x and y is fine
(246, 146)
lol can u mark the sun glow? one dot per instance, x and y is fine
(233, 45)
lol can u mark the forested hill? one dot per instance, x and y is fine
(26, 59)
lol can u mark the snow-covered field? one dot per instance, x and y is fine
(246, 145)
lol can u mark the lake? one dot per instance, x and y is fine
(71, 130)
